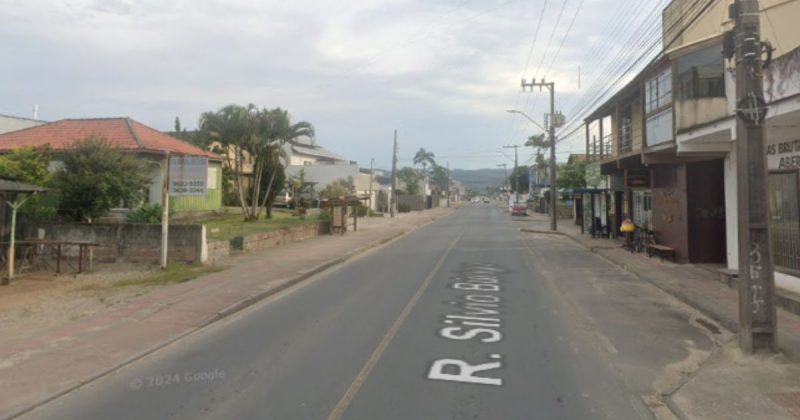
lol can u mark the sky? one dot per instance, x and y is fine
(440, 72)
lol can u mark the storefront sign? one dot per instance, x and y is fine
(637, 178)
(783, 155)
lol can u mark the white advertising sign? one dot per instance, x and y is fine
(188, 176)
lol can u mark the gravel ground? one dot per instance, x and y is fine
(35, 302)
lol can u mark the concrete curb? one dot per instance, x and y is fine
(228, 311)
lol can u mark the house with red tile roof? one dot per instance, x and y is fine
(131, 136)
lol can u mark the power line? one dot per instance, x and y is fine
(700, 12)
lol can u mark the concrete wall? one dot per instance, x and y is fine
(219, 249)
(415, 202)
(693, 112)
(670, 208)
(130, 242)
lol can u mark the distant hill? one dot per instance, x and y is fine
(479, 179)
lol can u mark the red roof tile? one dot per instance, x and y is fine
(124, 133)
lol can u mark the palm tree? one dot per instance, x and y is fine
(424, 158)
(231, 129)
(276, 129)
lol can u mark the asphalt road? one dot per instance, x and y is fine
(453, 321)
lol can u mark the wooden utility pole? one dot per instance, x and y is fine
(757, 315)
(393, 207)
(505, 172)
(515, 174)
(371, 178)
(448, 185)
(164, 211)
(554, 121)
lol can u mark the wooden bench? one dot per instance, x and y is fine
(661, 251)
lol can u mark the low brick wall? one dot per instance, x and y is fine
(129, 242)
(218, 249)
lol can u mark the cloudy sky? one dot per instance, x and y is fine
(442, 72)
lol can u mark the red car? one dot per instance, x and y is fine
(519, 209)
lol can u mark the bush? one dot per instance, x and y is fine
(146, 214)
(362, 210)
(96, 176)
(325, 216)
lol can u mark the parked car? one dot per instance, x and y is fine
(519, 209)
(486, 201)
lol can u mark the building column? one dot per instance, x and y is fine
(731, 214)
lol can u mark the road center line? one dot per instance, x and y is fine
(351, 392)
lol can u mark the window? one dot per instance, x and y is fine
(701, 74)
(784, 219)
(658, 92)
(659, 128)
(625, 135)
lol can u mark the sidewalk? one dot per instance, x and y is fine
(730, 385)
(49, 364)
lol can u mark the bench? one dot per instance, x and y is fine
(661, 251)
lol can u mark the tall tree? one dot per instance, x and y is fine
(520, 175)
(231, 128)
(572, 176)
(424, 158)
(411, 178)
(252, 137)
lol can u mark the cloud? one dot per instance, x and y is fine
(442, 72)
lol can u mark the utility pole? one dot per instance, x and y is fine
(448, 185)
(757, 315)
(393, 206)
(164, 210)
(505, 172)
(371, 178)
(515, 174)
(554, 121)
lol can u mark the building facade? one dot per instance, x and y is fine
(667, 140)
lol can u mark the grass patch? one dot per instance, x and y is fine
(175, 273)
(231, 226)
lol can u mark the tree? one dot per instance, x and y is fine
(424, 158)
(276, 175)
(520, 174)
(96, 177)
(248, 136)
(439, 177)
(572, 176)
(27, 164)
(411, 178)
(30, 165)
(339, 188)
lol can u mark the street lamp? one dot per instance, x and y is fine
(516, 111)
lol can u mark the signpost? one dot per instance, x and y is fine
(183, 176)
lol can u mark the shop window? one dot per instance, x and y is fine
(784, 219)
(701, 74)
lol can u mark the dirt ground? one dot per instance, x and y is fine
(38, 301)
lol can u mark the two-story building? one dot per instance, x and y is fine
(667, 139)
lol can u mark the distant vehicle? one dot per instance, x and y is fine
(486, 201)
(519, 209)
